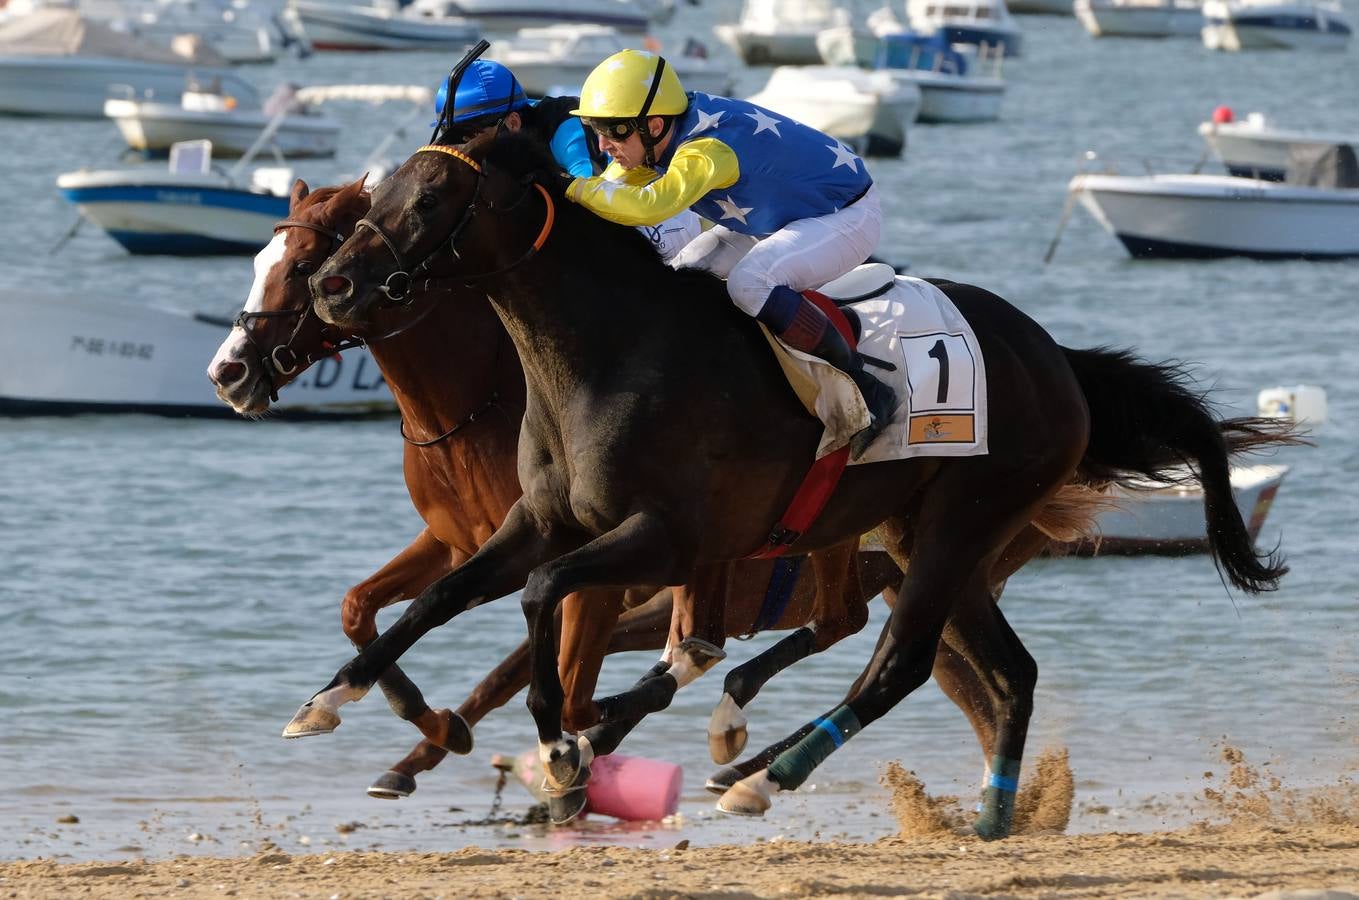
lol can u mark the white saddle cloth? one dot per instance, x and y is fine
(940, 377)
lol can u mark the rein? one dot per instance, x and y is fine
(397, 287)
(283, 359)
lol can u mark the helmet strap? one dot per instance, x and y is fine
(643, 126)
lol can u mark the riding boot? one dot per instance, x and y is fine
(802, 325)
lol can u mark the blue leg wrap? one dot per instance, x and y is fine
(998, 799)
(778, 311)
(791, 767)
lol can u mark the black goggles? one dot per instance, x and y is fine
(613, 129)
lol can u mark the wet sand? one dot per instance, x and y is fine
(1272, 841)
(1226, 861)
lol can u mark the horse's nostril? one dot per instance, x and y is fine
(229, 372)
(334, 284)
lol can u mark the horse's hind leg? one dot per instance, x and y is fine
(839, 610)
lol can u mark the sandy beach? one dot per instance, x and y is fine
(1229, 861)
(1271, 840)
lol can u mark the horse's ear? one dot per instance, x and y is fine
(300, 191)
(353, 190)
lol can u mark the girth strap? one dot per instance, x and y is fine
(823, 476)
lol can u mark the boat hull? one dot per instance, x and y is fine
(175, 218)
(68, 355)
(953, 98)
(337, 27)
(78, 86)
(779, 48)
(152, 127)
(1169, 521)
(1252, 152)
(1103, 18)
(1252, 26)
(1209, 216)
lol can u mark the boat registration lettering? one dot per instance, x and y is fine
(186, 198)
(96, 346)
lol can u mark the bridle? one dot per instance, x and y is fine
(397, 286)
(283, 360)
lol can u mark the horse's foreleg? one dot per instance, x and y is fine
(839, 610)
(410, 572)
(697, 632)
(499, 567)
(639, 551)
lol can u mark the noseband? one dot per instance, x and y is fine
(398, 284)
(283, 359)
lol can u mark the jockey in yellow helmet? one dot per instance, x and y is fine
(792, 207)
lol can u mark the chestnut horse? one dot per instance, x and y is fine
(660, 437)
(461, 425)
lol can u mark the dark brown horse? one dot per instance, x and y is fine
(461, 423)
(660, 437)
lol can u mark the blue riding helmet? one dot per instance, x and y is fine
(487, 89)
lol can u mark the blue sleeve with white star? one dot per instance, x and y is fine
(570, 149)
(698, 167)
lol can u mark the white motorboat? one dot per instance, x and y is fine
(556, 56)
(1141, 18)
(152, 127)
(868, 111)
(90, 354)
(1273, 25)
(784, 32)
(954, 86)
(1209, 216)
(1251, 148)
(1168, 519)
(56, 62)
(856, 43)
(193, 209)
(507, 16)
(984, 23)
(185, 210)
(383, 26)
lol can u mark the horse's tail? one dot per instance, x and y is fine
(1146, 420)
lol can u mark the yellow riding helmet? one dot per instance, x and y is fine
(619, 86)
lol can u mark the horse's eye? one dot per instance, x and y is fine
(426, 202)
(303, 267)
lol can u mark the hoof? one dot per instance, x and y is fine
(727, 733)
(565, 805)
(725, 747)
(723, 778)
(748, 797)
(447, 730)
(561, 762)
(392, 785)
(312, 719)
(989, 829)
(704, 654)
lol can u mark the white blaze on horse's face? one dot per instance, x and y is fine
(233, 347)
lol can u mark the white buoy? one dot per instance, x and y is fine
(1302, 403)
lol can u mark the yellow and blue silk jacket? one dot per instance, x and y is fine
(735, 164)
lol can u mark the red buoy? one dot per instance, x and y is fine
(1222, 115)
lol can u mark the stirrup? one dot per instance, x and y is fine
(881, 401)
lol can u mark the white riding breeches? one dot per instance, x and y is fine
(803, 254)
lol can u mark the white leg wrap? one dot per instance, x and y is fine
(336, 697)
(587, 750)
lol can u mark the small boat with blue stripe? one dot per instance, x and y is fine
(187, 209)
(981, 23)
(1271, 25)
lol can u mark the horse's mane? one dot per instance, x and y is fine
(524, 156)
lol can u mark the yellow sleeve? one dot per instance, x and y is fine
(698, 166)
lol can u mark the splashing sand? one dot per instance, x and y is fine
(1042, 807)
(1253, 795)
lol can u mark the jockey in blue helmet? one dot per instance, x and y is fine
(489, 96)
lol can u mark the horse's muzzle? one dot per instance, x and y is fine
(334, 296)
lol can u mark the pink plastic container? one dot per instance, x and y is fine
(633, 788)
